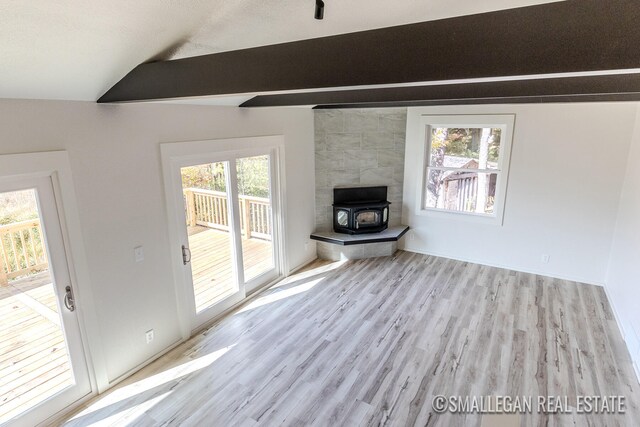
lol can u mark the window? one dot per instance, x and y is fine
(466, 163)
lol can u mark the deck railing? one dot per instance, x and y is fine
(209, 209)
(21, 250)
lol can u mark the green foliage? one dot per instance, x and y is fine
(17, 217)
(206, 177)
(253, 176)
(18, 206)
(24, 248)
(464, 142)
(458, 142)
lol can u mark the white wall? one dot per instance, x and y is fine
(115, 160)
(623, 279)
(567, 168)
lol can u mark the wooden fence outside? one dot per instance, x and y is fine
(209, 209)
(21, 250)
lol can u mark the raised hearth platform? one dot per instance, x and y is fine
(337, 246)
(391, 234)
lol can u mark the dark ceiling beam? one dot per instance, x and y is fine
(621, 87)
(562, 37)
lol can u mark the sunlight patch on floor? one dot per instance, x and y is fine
(309, 273)
(139, 387)
(282, 294)
(133, 413)
(309, 279)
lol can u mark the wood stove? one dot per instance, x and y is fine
(358, 210)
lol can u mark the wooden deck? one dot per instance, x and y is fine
(211, 263)
(34, 364)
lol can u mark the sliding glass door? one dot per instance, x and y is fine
(228, 236)
(209, 223)
(256, 223)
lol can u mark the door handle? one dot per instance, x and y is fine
(69, 301)
(186, 255)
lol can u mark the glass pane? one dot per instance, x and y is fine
(208, 220)
(34, 361)
(367, 218)
(466, 148)
(343, 218)
(255, 215)
(461, 191)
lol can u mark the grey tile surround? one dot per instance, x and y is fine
(359, 147)
(337, 253)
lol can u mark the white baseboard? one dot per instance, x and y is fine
(624, 332)
(207, 325)
(145, 363)
(302, 265)
(59, 417)
(635, 362)
(79, 405)
(507, 267)
(615, 313)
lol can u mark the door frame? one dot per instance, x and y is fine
(56, 166)
(177, 154)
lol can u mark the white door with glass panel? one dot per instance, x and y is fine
(43, 367)
(228, 236)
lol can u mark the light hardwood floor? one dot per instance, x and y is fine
(370, 342)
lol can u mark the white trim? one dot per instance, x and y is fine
(144, 364)
(178, 154)
(623, 332)
(56, 165)
(69, 412)
(250, 297)
(615, 313)
(302, 265)
(505, 122)
(450, 169)
(504, 266)
(280, 220)
(577, 280)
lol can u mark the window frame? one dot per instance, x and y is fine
(506, 123)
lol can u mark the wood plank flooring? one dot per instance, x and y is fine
(371, 342)
(34, 364)
(211, 263)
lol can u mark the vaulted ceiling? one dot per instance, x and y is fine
(78, 49)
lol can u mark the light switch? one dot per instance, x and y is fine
(139, 253)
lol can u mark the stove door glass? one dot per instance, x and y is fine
(342, 218)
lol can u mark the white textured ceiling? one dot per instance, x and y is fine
(77, 49)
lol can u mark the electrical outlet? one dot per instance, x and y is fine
(545, 258)
(139, 253)
(149, 336)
